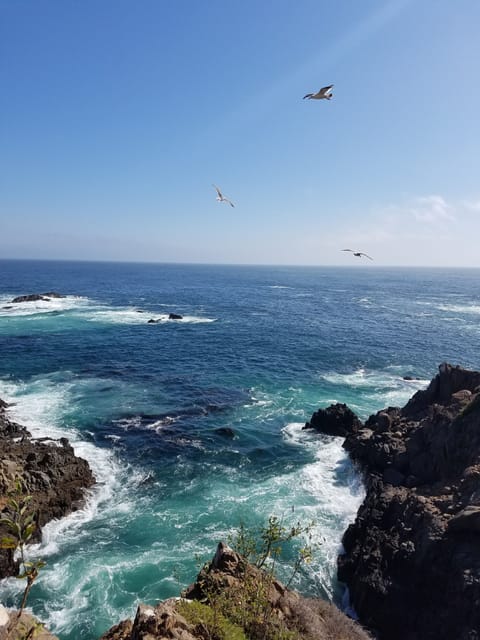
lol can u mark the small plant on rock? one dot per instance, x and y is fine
(20, 523)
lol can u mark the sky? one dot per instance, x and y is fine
(117, 116)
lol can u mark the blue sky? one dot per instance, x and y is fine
(117, 116)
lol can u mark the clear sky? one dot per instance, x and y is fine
(116, 116)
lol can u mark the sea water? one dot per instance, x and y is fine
(193, 426)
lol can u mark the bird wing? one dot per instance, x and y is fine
(218, 190)
(308, 95)
(326, 90)
(367, 256)
(347, 250)
(229, 202)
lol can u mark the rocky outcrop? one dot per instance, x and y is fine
(34, 297)
(224, 580)
(412, 557)
(336, 420)
(49, 471)
(15, 627)
(171, 316)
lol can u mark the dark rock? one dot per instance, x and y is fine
(466, 520)
(152, 321)
(34, 297)
(8, 307)
(392, 476)
(228, 432)
(31, 297)
(50, 472)
(174, 316)
(335, 420)
(415, 544)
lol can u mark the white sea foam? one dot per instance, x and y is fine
(374, 379)
(278, 286)
(40, 406)
(327, 491)
(136, 316)
(368, 391)
(37, 307)
(460, 308)
(335, 491)
(89, 310)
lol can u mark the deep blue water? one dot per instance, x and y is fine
(258, 350)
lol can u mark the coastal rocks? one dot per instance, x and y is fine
(336, 420)
(50, 472)
(34, 297)
(13, 627)
(224, 579)
(412, 556)
(171, 316)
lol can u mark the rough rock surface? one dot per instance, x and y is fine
(412, 557)
(50, 472)
(33, 297)
(313, 619)
(335, 420)
(13, 627)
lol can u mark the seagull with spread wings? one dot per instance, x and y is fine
(358, 254)
(325, 93)
(221, 198)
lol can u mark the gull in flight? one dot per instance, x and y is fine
(221, 198)
(325, 93)
(358, 254)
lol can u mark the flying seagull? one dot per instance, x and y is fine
(325, 93)
(221, 198)
(358, 254)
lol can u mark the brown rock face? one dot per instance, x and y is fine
(50, 472)
(305, 618)
(412, 557)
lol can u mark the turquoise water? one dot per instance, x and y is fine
(258, 350)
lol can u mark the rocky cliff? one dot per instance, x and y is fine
(49, 471)
(227, 585)
(412, 556)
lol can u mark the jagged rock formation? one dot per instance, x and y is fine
(13, 627)
(412, 557)
(50, 472)
(225, 578)
(335, 420)
(34, 297)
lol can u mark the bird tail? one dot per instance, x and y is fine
(309, 95)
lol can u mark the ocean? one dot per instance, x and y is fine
(194, 426)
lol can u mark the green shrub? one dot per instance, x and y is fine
(209, 623)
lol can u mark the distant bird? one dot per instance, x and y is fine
(358, 254)
(325, 93)
(221, 198)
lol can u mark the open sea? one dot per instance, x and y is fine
(192, 426)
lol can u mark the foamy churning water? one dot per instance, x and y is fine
(194, 425)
